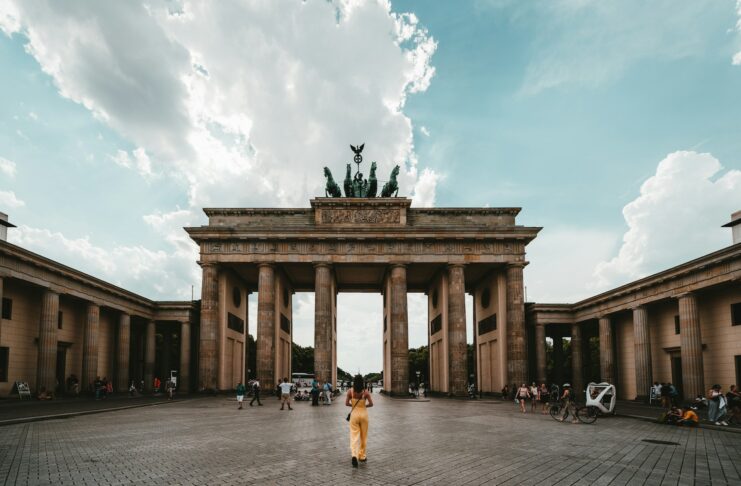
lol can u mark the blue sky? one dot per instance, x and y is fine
(614, 125)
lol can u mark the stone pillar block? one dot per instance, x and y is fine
(577, 360)
(47, 353)
(184, 378)
(208, 360)
(399, 335)
(122, 354)
(606, 354)
(516, 334)
(323, 322)
(90, 347)
(266, 326)
(690, 339)
(149, 352)
(540, 365)
(642, 343)
(457, 346)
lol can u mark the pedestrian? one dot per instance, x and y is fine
(716, 405)
(241, 390)
(523, 393)
(132, 389)
(256, 393)
(157, 383)
(285, 393)
(544, 397)
(665, 398)
(568, 403)
(327, 393)
(673, 395)
(505, 391)
(534, 397)
(360, 400)
(655, 391)
(314, 393)
(170, 387)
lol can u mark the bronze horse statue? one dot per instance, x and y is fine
(391, 187)
(332, 189)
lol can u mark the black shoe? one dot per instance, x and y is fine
(354, 461)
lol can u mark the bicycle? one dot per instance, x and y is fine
(586, 414)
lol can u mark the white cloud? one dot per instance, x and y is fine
(737, 57)
(245, 101)
(589, 42)
(7, 167)
(677, 217)
(153, 274)
(8, 199)
(138, 159)
(424, 131)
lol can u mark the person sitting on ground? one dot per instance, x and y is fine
(132, 389)
(689, 417)
(673, 416)
(44, 395)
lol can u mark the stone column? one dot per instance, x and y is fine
(516, 334)
(540, 367)
(399, 332)
(149, 356)
(323, 322)
(122, 354)
(90, 347)
(606, 357)
(208, 360)
(457, 347)
(558, 361)
(1, 307)
(47, 352)
(266, 327)
(577, 362)
(690, 338)
(184, 378)
(642, 342)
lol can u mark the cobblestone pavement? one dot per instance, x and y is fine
(209, 441)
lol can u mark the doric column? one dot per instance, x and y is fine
(184, 378)
(606, 357)
(399, 332)
(558, 361)
(323, 322)
(1, 308)
(266, 326)
(122, 354)
(90, 347)
(540, 353)
(577, 362)
(693, 379)
(457, 347)
(47, 354)
(149, 351)
(642, 342)
(516, 334)
(208, 361)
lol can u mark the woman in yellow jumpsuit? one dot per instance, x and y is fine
(360, 400)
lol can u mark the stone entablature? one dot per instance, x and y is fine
(716, 268)
(19, 263)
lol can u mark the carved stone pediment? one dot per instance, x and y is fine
(360, 212)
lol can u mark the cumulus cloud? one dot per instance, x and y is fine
(8, 199)
(7, 167)
(154, 274)
(737, 57)
(245, 101)
(677, 217)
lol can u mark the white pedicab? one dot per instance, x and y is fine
(602, 396)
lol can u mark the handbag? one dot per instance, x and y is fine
(353, 408)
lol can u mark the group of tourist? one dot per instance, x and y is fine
(534, 395)
(722, 407)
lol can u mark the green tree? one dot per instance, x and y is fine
(419, 360)
(302, 358)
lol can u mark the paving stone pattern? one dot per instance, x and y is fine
(209, 441)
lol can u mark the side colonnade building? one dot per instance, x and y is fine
(679, 326)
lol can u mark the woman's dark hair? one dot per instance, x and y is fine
(358, 384)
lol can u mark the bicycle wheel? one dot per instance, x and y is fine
(587, 415)
(555, 412)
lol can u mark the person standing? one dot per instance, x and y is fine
(241, 390)
(327, 393)
(314, 394)
(170, 387)
(534, 397)
(285, 394)
(523, 393)
(568, 403)
(256, 393)
(360, 400)
(544, 397)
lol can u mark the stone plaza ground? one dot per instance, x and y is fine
(450, 442)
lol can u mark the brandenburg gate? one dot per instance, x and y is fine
(364, 244)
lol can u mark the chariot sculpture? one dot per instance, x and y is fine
(356, 186)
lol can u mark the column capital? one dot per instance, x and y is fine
(517, 264)
(322, 264)
(266, 264)
(638, 307)
(685, 295)
(207, 264)
(456, 265)
(398, 265)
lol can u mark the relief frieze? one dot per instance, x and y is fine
(361, 216)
